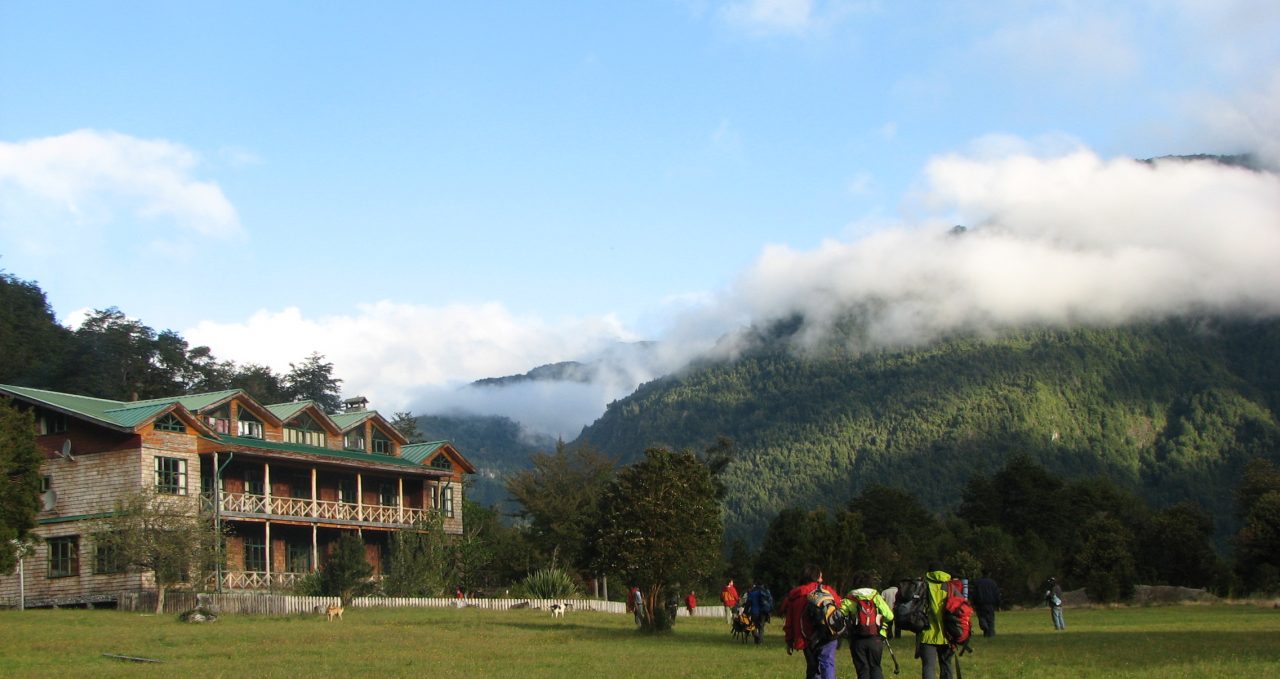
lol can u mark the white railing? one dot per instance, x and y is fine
(246, 503)
(259, 580)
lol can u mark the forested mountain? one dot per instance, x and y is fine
(1171, 410)
(497, 445)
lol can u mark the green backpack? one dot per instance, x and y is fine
(826, 622)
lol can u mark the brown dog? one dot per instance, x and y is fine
(332, 612)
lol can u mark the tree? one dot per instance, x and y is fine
(19, 479)
(559, 498)
(419, 561)
(660, 527)
(346, 572)
(1175, 548)
(163, 534)
(407, 425)
(260, 382)
(32, 343)
(1103, 560)
(313, 380)
(1257, 543)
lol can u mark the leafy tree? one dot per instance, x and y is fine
(407, 425)
(559, 497)
(1257, 543)
(660, 527)
(19, 479)
(163, 534)
(419, 561)
(346, 572)
(1103, 560)
(1175, 548)
(32, 343)
(791, 541)
(260, 382)
(313, 380)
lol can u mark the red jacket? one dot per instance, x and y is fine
(691, 602)
(796, 626)
(729, 596)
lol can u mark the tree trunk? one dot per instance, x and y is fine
(159, 599)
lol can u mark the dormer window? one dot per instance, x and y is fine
(248, 426)
(381, 444)
(354, 439)
(303, 429)
(170, 422)
(442, 462)
(219, 420)
(50, 422)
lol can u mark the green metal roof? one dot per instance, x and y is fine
(313, 450)
(99, 409)
(194, 402)
(346, 421)
(419, 452)
(286, 410)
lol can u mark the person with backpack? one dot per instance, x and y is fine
(932, 647)
(868, 616)
(1053, 597)
(813, 623)
(637, 604)
(729, 597)
(757, 604)
(890, 596)
(691, 602)
(986, 599)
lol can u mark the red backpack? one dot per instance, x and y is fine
(866, 619)
(957, 614)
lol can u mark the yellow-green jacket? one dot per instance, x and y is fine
(937, 581)
(850, 607)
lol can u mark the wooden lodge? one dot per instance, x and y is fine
(283, 480)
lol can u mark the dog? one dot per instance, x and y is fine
(557, 610)
(331, 612)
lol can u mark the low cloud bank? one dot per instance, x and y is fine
(1061, 238)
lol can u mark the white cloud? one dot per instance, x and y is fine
(1059, 240)
(84, 181)
(771, 15)
(389, 351)
(1070, 47)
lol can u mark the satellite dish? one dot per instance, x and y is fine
(66, 450)
(48, 500)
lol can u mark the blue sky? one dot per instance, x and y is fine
(430, 193)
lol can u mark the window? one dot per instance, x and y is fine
(64, 556)
(50, 422)
(255, 554)
(300, 486)
(170, 422)
(303, 429)
(253, 481)
(171, 476)
(442, 462)
(347, 491)
(387, 495)
(297, 557)
(381, 444)
(219, 420)
(354, 439)
(46, 482)
(447, 501)
(248, 426)
(106, 559)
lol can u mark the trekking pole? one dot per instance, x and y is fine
(891, 654)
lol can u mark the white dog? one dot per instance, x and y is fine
(557, 610)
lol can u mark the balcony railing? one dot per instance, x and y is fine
(259, 580)
(246, 503)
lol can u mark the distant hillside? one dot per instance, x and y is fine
(496, 445)
(1171, 409)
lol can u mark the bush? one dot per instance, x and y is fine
(549, 583)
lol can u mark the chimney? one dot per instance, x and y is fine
(353, 405)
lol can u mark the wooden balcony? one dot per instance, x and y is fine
(248, 505)
(258, 580)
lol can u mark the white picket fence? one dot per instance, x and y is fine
(279, 604)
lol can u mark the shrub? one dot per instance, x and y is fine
(549, 583)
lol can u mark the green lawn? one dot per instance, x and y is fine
(1174, 641)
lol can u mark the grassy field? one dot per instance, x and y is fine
(1174, 641)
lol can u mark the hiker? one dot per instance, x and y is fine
(637, 604)
(691, 602)
(819, 647)
(729, 597)
(869, 615)
(986, 599)
(757, 604)
(890, 596)
(1053, 597)
(932, 648)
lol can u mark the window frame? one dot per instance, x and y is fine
(64, 556)
(106, 559)
(248, 426)
(170, 423)
(255, 554)
(171, 481)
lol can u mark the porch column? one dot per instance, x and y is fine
(314, 506)
(400, 500)
(315, 550)
(359, 496)
(266, 487)
(266, 527)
